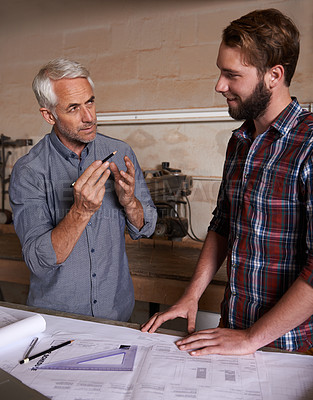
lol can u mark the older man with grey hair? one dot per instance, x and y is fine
(72, 235)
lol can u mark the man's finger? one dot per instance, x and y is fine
(103, 178)
(92, 173)
(116, 172)
(147, 325)
(191, 325)
(97, 174)
(130, 166)
(154, 323)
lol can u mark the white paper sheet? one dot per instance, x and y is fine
(86, 385)
(161, 371)
(27, 327)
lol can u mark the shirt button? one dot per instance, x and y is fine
(92, 250)
(94, 275)
(234, 265)
(95, 302)
(89, 223)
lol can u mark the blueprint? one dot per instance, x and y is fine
(159, 370)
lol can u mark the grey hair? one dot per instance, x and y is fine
(55, 70)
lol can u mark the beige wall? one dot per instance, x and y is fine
(143, 55)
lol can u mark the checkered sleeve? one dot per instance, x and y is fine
(307, 181)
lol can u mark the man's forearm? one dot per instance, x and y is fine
(211, 258)
(292, 309)
(295, 307)
(88, 196)
(134, 213)
(66, 234)
(212, 255)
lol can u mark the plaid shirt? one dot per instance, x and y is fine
(265, 208)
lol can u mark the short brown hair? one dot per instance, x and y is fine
(266, 38)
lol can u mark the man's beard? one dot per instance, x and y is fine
(254, 106)
(73, 136)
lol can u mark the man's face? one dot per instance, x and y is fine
(76, 121)
(246, 93)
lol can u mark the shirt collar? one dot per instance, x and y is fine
(288, 118)
(66, 152)
(245, 130)
(284, 122)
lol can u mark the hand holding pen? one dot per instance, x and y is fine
(103, 161)
(88, 193)
(89, 189)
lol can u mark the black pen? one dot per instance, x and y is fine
(52, 348)
(30, 348)
(103, 161)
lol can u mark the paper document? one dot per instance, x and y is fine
(13, 332)
(154, 370)
(162, 372)
(87, 383)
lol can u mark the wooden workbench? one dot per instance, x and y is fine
(160, 269)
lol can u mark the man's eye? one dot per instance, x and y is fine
(232, 76)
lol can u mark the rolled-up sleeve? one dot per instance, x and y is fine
(307, 271)
(220, 222)
(28, 191)
(307, 182)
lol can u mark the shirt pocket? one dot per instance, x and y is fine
(273, 189)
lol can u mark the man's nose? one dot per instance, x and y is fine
(221, 85)
(86, 114)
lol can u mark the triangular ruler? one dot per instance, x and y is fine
(85, 363)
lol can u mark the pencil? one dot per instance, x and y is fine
(109, 156)
(52, 348)
(104, 160)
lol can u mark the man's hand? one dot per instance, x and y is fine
(218, 341)
(212, 255)
(295, 307)
(125, 191)
(124, 183)
(183, 309)
(89, 189)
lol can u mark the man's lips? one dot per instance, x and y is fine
(88, 128)
(230, 98)
(231, 101)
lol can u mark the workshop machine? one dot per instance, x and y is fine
(169, 189)
(5, 144)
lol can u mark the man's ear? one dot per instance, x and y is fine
(276, 75)
(48, 116)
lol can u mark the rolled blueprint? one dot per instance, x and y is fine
(22, 329)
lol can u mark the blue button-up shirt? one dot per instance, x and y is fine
(94, 279)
